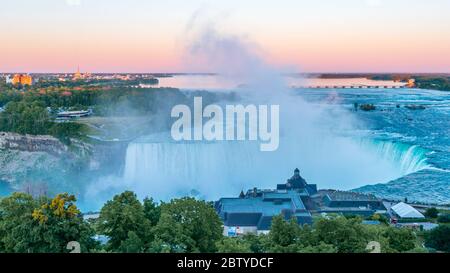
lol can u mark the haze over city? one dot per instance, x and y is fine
(147, 36)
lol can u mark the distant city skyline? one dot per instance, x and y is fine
(135, 36)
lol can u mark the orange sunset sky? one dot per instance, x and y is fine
(147, 35)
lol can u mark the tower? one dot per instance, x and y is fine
(77, 75)
(242, 195)
(296, 181)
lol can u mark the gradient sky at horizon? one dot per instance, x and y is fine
(304, 35)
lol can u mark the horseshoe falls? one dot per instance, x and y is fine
(396, 153)
(220, 168)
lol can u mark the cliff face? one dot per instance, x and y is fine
(27, 160)
(28, 143)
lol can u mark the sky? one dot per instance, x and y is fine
(148, 35)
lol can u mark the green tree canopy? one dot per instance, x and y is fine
(152, 211)
(284, 234)
(432, 213)
(400, 239)
(444, 218)
(347, 235)
(42, 225)
(439, 238)
(25, 118)
(123, 219)
(188, 225)
(233, 245)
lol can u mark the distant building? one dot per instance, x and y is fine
(22, 79)
(411, 83)
(74, 114)
(426, 226)
(79, 76)
(405, 211)
(252, 212)
(8, 79)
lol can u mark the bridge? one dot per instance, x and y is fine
(352, 86)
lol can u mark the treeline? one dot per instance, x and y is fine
(46, 83)
(143, 100)
(33, 118)
(25, 112)
(434, 83)
(186, 225)
(114, 100)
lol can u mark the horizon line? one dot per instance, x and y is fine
(215, 73)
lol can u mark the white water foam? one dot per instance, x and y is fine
(168, 169)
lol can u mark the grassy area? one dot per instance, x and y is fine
(117, 128)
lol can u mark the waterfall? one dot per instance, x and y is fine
(409, 158)
(165, 169)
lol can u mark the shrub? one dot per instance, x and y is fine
(431, 213)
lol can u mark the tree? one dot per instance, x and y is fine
(233, 245)
(320, 248)
(16, 223)
(60, 222)
(307, 236)
(257, 243)
(379, 217)
(400, 239)
(25, 118)
(283, 234)
(42, 225)
(170, 237)
(188, 225)
(347, 235)
(431, 213)
(133, 244)
(119, 217)
(439, 238)
(152, 211)
(444, 219)
(65, 131)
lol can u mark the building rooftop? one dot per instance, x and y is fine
(296, 198)
(336, 195)
(406, 211)
(254, 205)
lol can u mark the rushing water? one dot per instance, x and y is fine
(395, 144)
(394, 152)
(427, 130)
(165, 168)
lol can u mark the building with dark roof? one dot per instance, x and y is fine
(252, 212)
(348, 203)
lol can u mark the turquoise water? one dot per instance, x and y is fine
(383, 146)
(395, 151)
(392, 122)
(4, 189)
(410, 155)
